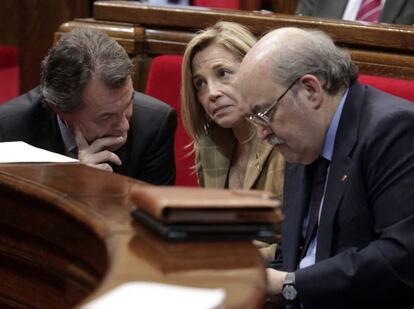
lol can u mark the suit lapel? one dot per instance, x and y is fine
(330, 9)
(391, 10)
(346, 138)
(49, 136)
(259, 152)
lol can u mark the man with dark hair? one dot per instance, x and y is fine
(87, 108)
(348, 232)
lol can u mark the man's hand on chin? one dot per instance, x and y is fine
(97, 154)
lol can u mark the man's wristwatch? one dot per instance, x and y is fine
(289, 291)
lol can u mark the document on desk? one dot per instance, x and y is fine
(153, 295)
(21, 152)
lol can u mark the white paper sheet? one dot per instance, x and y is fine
(21, 152)
(151, 295)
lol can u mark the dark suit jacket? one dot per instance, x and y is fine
(394, 11)
(147, 155)
(365, 251)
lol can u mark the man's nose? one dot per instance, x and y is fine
(123, 124)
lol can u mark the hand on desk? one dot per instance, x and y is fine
(97, 154)
(275, 280)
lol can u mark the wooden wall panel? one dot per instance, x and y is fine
(8, 22)
(285, 6)
(30, 25)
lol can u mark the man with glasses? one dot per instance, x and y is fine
(347, 237)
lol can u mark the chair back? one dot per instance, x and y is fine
(399, 87)
(9, 73)
(164, 83)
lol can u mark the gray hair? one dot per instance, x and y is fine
(315, 53)
(77, 57)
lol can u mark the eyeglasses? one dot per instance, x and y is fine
(264, 118)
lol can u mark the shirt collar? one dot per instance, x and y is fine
(67, 137)
(328, 146)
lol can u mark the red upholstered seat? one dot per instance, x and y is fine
(228, 4)
(398, 87)
(9, 73)
(164, 83)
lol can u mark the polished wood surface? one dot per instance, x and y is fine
(66, 237)
(146, 31)
(379, 35)
(284, 6)
(279, 6)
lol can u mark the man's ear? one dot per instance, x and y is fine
(313, 90)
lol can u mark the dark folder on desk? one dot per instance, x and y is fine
(182, 213)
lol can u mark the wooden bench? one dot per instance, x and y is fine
(146, 31)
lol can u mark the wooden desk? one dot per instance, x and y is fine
(146, 31)
(66, 237)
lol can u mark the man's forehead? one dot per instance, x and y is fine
(243, 76)
(251, 80)
(98, 97)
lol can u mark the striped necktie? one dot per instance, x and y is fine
(370, 10)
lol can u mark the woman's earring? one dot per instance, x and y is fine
(207, 124)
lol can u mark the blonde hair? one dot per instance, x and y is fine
(237, 39)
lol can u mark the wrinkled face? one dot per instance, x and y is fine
(295, 127)
(103, 112)
(214, 69)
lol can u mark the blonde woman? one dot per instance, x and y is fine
(228, 152)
